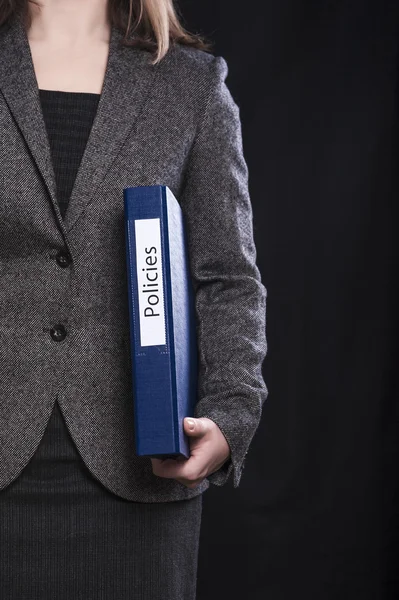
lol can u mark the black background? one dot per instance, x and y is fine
(316, 514)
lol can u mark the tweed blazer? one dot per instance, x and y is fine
(174, 124)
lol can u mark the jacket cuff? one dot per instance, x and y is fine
(238, 440)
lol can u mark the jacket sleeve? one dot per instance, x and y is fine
(230, 300)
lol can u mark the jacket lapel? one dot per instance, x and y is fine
(127, 82)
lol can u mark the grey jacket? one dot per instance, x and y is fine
(174, 124)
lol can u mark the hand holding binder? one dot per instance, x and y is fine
(209, 452)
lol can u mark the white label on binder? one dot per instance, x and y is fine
(150, 282)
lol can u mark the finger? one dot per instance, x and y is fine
(190, 484)
(201, 426)
(189, 471)
(161, 461)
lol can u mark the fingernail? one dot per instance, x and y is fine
(190, 423)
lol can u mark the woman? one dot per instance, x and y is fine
(96, 96)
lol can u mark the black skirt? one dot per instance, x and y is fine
(64, 535)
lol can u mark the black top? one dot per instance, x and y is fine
(68, 117)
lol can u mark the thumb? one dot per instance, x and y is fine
(195, 427)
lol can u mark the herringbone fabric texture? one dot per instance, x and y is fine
(175, 124)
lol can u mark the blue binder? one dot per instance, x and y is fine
(162, 320)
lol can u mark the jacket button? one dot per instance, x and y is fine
(63, 258)
(58, 332)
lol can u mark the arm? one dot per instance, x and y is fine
(230, 299)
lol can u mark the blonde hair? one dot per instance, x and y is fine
(154, 25)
